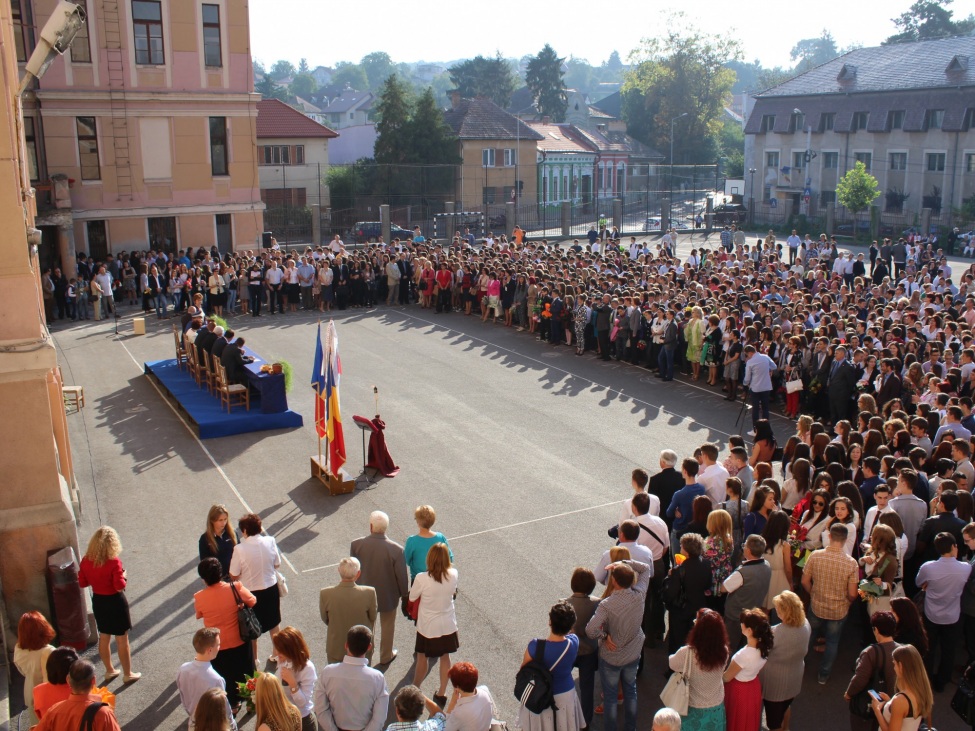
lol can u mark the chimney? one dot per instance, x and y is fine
(454, 98)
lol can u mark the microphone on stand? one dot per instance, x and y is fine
(375, 392)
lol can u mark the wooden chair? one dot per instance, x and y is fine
(180, 352)
(210, 372)
(230, 391)
(73, 396)
(194, 366)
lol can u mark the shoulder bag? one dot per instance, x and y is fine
(247, 621)
(860, 704)
(677, 693)
(963, 702)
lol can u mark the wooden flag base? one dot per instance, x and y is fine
(341, 484)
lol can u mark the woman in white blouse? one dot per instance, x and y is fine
(297, 672)
(743, 689)
(255, 563)
(436, 623)
(471, 706)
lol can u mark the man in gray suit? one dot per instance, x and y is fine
(345, 605)
(383, 568)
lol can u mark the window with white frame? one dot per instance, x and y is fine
(970, 162)
(772, 159)
(865, 157)
(487, 157)
(799, 160)
(933, 118)
(936, 162)
(831, 160)
(509, 158)
(898, 161)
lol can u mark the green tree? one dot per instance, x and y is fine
(303, 85)
(434, 147)
(269, 90)
(856, 190)
(488, 77)
(768, 78)
(684, 71)
(580, 75)
(928, 19)
(378, 67)
(282, 69)
(259, 67)
(810, 52)
(544, 81)
(350, 75)
(613, 63)
(303, 66)
(731, 140)
(393, 112)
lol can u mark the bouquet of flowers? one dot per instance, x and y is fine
(246, 689)
(815, 386)
(869, 590)
(797, 537)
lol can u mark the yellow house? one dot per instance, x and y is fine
(498, 154)
(143, 134)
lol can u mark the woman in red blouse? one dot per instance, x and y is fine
(102, 570)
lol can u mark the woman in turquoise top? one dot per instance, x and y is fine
(417, 546)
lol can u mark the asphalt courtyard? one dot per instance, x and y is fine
(524, 450)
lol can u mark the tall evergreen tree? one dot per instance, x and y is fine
(393, 112)
(544, 81)
(269, 90)
(434, 146)
(929, 19)
(488, 77)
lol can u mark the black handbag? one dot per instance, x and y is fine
(247, 622)
(963, 702)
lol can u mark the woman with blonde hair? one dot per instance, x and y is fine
(719, 549)
(436, 622)
(803, 426)
(297, 671)
(417, 546)
(694, 335)
(880, 565)
(219, 539)
(102, 570)
(782, 675)
(273, 711)
(913, 700)
(211, 711)
(33, 647)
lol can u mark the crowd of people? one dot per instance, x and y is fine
(855, 531)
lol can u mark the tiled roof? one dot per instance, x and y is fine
(611, 105)
(561, 138)
(618, 142)
(597, 113)
(482, 119)
(350, 100)
(900, 66)
(277, 119)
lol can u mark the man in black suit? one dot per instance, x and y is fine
(221, 344)
(890, 382)
(206, 338)
(840, 385)
(232, 359)
(405, 277)
(666, 482)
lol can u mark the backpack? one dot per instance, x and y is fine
(533, 683)
(88, 718)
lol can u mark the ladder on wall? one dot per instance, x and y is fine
(116, 93)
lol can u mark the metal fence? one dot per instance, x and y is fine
(420, 195)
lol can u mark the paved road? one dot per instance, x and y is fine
(525, 451)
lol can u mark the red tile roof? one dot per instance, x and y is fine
(277, 119)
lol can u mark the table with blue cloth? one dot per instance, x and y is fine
(270, 386)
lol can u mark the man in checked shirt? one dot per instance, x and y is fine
(617, 625)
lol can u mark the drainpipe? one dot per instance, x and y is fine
(954, 177)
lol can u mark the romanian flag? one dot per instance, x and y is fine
(318, 384)
(332, 365)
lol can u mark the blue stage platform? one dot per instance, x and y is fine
(203, 409)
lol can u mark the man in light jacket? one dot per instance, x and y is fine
(758, 379)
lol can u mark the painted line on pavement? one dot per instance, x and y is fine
(501, 527)
(206, 451)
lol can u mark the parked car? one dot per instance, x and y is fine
(365, 231)
(846, 228)
(915, 231)
(728, 213)
(652, 224)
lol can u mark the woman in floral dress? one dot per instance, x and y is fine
(719, 548)
(580, 318)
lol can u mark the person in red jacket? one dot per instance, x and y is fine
(102, 570)
(444, 281)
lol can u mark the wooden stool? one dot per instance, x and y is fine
(74, 396)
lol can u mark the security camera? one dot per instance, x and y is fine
(55, 38)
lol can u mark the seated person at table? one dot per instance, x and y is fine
(233, 360)
(220, 343)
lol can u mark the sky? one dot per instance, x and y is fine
(438, 30)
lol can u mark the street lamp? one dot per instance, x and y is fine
(751, 195)
(679, 116)
(807, 160)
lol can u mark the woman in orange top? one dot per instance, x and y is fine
(56, 688)
(102, 570)
(217, 607)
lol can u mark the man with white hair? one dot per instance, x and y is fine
(666, 482)
(345, 605)
(383, 567)
(666, 719)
